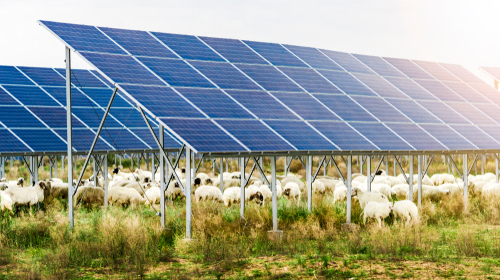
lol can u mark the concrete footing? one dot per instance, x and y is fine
(275, 235)
(350, 227)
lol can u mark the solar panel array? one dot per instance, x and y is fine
(33, 113)
(227, 95)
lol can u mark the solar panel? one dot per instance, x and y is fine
(30, 96)
(494, 72)
(41, 139)
(44, 76)
(11, 143)
(175, 78)
(81, 78)
(477, 137)
(6, 98)
(9, 75)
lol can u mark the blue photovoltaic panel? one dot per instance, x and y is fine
(300, 135)
(491, 110)
(128, 117)
(77, 98)
(55, 117)
(162, 101)
(44, 76)
(176, 72)
(443, 112)
(436, 70)
(381, 136)
(413, 111)
(440, 90)
(30, 96)
(348, 62)
(487, 91)
(41, 139)
(10, 143)
(234, 50)
(6, 99)
(18, 117)
(416, 136)
(462, 73)
(203, 135)
(310, 80)
(215, 103)
(122, 139)
(305, 105)
(255, 135)
(102, 96)
(268, 77)
(224, 75)
(466, 92)
(138, 42)
(102, 78)
(146, 135)
(82, 78)
(347, 83)
(380, 86)
(122, 69)
(83, 138)
(262, 104)
(379, 65)
(314, 58)
(410, 88)
(448, 137)
(345, 107)
(10, 75)
(381, 109)
(476, 136)
(470, 113)
(92, 117)
(491, 130)
(275, 54)
(188, 47)
(83, 37)
(343, 136)
(409, 68)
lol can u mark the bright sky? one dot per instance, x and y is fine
(464, 32)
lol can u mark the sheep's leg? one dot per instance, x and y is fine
(364, 219)
(379, 222)
(408, 220)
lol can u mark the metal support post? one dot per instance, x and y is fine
(349, 190)
(309, 182)
(94, 166)
(369, 173)
(242, 186)
(11, 163)
(274, 198)
(227, 165)
(221, 175)
(106, 180)
(483, 163)
(387, 165)
(286, 166)
(162, 179)
(410, 179)
(496, 168)
(35, 169)
(147, 161)
(69, 138)
(419, 180)
(187, 193)
(466, 183)
(324, 167)
(394, 163)
(262, 166)
(2, 167)
(153, 167)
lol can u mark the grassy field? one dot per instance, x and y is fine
(129, 243)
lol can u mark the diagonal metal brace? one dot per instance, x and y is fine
(338, 169)
(401, 169)
(260, 170)
(427, 167)
(301, 161)
(319, 169)
(455, 165)
(472, 164)
(199, 163)
(95, 141)
(377, 168)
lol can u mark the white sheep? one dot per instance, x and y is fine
(205, 179)
(27, 196)
(19, 183)
(329, 185)
(124, 175)
(152, 195)
(451, 187)
(208, 193)
(125, 196)
(340, 194)
(292, 191)
(253, 193)
(231, 196)
(365, 197)
(300, 184)
(89, 195)
(401, 190)
(378, 211)
(431, 192)
(491, 191)
(174, 191)
(228, 183)
(489, 176)
(383, 189)
(360, 179)
(406, 210)
(5, 201)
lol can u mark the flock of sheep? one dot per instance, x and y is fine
(139, 188)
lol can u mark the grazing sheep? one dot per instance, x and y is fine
(340, 194)
(401, 190)
(292, 191)
(406, 209)
(132, 184)
(235, 175)
(300, 184)
(395, 181)
(491, 191)
(208, 193)
(489, 176)
(3, 186)
(360, 179)
(317, 188)
(266, 192)
(5, 201)
(19, 183)
(227, 175)
(205, 179)
(253, 193)
(89, 195)
(378, 211)
(365, 197)
(329, 185)
(174, 191)
(228, 183)
(430, 192)
(435, 179)
(451, 187)
(152, 195)
(231, 196)
(59, 190)
(27, 196)
(383, 189)
(56, 181)
(125, 196)
(125, 176)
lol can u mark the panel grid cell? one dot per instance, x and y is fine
(305, 106)
(301, 136)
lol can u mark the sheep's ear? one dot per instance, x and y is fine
(42, 184)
